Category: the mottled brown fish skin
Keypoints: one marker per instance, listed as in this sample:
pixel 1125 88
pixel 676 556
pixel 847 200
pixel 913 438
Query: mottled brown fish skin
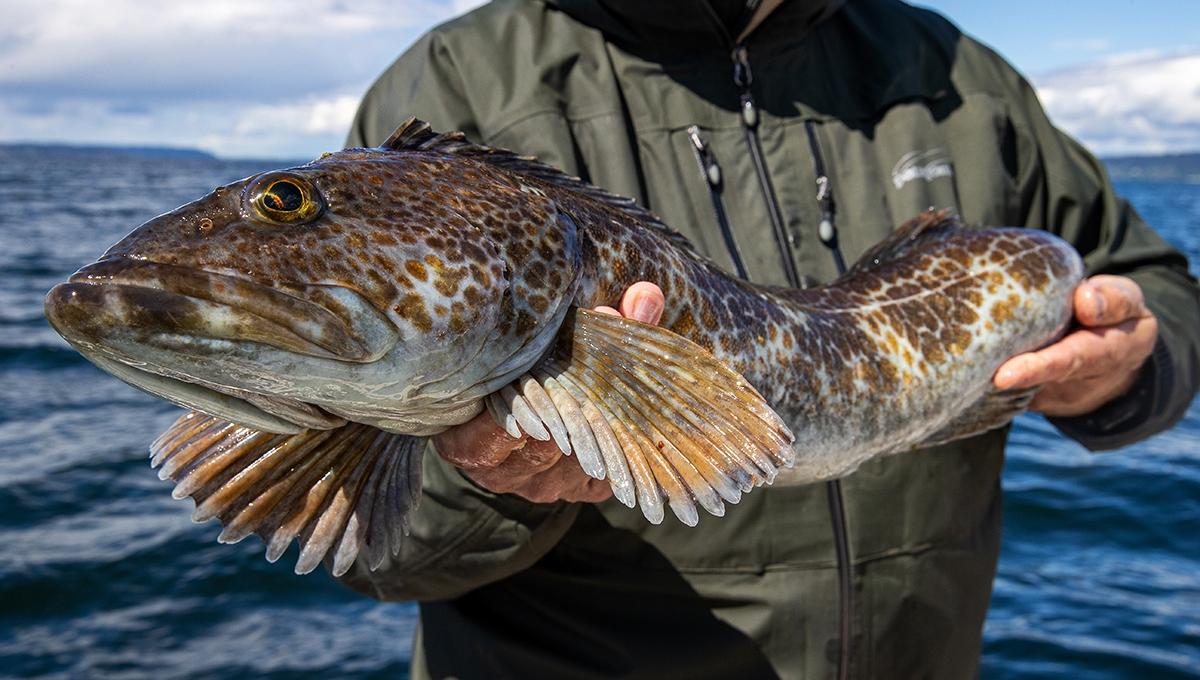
pixel 874 362
pixel 463 252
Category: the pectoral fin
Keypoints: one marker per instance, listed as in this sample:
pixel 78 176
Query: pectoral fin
pixel 995 409
pixel 657 415
pixel 344 492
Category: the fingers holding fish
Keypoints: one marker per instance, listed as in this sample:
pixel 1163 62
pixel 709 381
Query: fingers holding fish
pixel 1103 363
pixel 477 444
pixel 535 470
pixel 1094 364
pixel 560 481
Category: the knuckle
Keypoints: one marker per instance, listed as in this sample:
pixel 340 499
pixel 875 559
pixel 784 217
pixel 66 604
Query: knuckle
pixel 540 454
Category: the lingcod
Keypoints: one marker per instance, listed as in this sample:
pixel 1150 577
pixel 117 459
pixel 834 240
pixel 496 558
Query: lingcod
pixel 322 322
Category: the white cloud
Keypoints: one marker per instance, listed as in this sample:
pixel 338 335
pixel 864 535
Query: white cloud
pixel 191 49
pixel 1145 102
pixel 269 77
pixel 313 116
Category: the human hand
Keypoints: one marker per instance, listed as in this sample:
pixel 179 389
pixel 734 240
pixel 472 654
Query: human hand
pixel 532 469
pixel 1093 365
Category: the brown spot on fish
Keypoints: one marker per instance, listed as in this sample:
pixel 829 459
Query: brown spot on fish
pixel 416 270
pixel 1002 310
pixel 526 322
pixel 412 308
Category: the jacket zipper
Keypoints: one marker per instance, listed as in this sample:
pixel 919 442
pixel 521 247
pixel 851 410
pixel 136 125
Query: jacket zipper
pixel 742 78
pixel 827 232
pixel 710 171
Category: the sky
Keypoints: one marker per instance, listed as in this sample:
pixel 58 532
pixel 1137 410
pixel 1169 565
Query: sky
pixel 280 79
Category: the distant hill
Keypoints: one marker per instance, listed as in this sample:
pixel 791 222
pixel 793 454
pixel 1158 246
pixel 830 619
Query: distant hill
pixel 84 149
pixel 1181 167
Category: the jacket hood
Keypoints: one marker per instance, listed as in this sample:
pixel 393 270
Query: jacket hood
pixel 700 24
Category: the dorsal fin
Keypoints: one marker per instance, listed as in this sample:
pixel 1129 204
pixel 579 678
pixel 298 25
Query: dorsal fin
pixel 416 135
pixel 929 225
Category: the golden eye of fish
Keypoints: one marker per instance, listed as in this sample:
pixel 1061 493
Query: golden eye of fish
pixel 285 199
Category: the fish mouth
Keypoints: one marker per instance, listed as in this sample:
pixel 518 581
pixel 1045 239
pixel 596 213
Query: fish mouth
pixel 259 412
pixel 155 303
pixel 165 329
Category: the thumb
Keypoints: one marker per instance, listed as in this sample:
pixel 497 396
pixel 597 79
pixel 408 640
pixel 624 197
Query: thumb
pixel 643 301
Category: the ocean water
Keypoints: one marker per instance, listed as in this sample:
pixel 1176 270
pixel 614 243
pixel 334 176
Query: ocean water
pixel 102 574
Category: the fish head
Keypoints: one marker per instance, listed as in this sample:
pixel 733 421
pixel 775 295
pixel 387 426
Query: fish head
pixel 352 287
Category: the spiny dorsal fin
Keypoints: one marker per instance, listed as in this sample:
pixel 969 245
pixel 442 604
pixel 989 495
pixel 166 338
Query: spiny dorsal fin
pixel 416 135
pixel 929 225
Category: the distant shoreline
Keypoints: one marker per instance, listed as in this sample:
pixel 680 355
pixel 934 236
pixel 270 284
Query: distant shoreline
pixel 145 152
pixel 1179 167
pixel 90 149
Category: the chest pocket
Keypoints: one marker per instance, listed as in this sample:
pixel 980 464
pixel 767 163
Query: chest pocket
pixel 916 157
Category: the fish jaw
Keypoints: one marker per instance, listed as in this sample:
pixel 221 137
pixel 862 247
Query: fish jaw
pixel 172 331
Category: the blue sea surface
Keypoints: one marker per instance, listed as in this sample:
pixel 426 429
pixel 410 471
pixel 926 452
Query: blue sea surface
pixel 102 574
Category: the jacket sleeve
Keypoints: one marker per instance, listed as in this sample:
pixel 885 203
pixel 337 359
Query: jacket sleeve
pixel 461 536
pixel 1065 189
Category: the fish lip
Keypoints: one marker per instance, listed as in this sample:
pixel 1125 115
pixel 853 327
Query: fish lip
pixel 266 414
pixel 310 327
pixel 78 312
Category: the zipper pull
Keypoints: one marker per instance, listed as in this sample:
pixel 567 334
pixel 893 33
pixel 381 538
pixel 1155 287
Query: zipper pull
pixel 711 172
pixel 708 162
pixel 825 229
pixel 742 78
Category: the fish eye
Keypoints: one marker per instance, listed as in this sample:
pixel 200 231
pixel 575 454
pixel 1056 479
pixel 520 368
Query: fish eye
pixel 284 199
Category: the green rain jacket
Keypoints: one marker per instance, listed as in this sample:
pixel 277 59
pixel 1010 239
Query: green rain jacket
pixel 905 112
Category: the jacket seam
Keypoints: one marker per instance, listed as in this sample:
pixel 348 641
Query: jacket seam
pixel 521 118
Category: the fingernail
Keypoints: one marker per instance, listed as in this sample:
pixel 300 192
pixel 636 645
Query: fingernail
pixel 1101 306
pixel 1003 377
pixel 646 309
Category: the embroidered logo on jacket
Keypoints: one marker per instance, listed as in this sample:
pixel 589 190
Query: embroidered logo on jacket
pixel 927 165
